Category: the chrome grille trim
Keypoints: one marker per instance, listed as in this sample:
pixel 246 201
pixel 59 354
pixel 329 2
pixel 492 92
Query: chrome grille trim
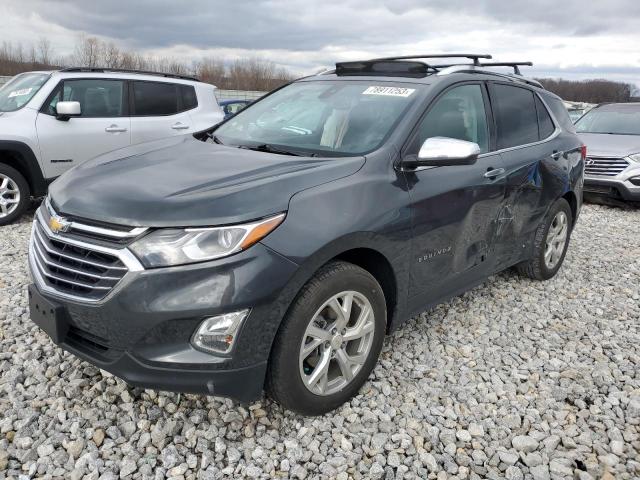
pixel 100 231
pixel 62 272
pixel 608 167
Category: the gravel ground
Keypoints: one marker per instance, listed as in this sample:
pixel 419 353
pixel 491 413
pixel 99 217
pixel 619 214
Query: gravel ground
pixel 516 379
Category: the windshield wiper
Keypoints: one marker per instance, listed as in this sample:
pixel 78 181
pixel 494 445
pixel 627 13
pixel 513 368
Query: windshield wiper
pixel 266 147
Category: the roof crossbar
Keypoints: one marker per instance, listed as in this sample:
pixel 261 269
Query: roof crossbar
pixel 472 56
pixel 514 65
pixel 124 70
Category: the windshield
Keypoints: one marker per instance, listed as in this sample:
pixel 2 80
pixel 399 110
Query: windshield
pixel 20 89
pixel 326 118
pixel 621 121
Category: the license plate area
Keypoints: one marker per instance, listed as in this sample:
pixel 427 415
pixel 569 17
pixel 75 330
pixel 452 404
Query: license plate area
pixel 48 315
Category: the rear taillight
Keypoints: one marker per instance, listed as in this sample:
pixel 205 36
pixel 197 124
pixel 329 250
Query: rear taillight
pixel 583 152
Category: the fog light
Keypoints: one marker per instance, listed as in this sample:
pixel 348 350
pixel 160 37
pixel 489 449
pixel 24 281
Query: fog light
pixel 217 334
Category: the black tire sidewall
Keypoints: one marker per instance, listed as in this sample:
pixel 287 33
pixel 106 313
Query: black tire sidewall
pixel 285 364
pixel 25 193
pixel 560 205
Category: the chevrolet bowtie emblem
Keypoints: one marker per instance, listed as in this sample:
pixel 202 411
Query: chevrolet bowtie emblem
pixel 58 224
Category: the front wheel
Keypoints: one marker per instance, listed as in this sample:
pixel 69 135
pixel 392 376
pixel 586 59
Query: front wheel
pixel 550 243
pixel 14 194
pixel 329 340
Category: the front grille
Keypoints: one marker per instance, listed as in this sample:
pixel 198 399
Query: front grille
pixel 609 167
pixel 74 270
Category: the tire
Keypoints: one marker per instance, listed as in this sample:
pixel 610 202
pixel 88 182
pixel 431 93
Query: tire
pixel 288 365
pixel 538 267
pixel 12 181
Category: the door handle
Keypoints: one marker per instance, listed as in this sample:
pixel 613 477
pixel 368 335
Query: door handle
pixel 494 172
pixel 179 126
pixel 115 129
pixel 557 155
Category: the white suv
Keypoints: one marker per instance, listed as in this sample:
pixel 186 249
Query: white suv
pixel 52 121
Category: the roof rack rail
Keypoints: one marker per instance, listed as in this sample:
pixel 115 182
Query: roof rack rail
pixel 124 70
pixel 472 56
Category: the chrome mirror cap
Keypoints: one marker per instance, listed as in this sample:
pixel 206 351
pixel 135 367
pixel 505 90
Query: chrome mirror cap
pixel 444 150
pixel 68 109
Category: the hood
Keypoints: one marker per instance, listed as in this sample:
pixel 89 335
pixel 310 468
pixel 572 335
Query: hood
pixel 182 181
pixel 603 145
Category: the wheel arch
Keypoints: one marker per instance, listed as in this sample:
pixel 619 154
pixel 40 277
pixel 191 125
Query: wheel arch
pixel 572 200
pixel 20 156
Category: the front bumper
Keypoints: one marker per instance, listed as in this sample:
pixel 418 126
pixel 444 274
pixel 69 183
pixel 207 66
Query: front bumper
pixel 624 186
pixel 141 332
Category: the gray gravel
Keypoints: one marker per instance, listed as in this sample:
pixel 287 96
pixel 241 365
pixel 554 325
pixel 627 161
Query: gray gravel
pixel 516 379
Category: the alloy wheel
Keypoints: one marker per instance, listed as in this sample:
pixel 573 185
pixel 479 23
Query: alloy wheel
pixel 556 240
pixel 337 343
pixel 9 195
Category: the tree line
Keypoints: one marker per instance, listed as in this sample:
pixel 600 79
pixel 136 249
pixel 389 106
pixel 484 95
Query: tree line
pixel 251 73
pixel 590 91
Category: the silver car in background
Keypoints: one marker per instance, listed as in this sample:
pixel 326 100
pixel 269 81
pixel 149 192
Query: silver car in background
pixel 611 133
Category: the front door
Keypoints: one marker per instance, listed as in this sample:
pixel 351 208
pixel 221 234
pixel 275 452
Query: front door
pixel 102 126
pixel 455 209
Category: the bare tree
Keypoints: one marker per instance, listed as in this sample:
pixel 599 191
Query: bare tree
pixel 87 52
pixel 44 51
pixel 211 70
pixel 252 73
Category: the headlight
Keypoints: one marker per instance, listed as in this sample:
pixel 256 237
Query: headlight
pixel 635 157
pixel 167 247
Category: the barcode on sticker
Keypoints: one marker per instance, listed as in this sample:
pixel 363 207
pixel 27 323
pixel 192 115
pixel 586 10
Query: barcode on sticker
pixel 389 91
pixel 20 93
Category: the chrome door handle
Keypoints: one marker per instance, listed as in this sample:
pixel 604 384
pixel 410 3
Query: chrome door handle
pixel 179 126
pixel 494 172
pixel 557 155
pixel 115 129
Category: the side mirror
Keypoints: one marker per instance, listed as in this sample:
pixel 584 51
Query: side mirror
pixel 443 151
pixel 66 110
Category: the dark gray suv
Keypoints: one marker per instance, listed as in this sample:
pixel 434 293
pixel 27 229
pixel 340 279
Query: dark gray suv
pixel 278 249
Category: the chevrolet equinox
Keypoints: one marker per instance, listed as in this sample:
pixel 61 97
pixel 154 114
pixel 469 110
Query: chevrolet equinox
pixel 276 250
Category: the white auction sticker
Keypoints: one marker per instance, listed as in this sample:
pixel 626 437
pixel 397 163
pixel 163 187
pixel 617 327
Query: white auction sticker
pixel 20 93
pixel 389 91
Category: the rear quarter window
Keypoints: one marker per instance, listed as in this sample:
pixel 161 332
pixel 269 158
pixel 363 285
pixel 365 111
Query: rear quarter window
pixel 545 124
pixel 560 112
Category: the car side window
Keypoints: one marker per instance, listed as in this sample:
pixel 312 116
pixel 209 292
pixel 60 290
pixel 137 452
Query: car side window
pixel 516 116
pixel 98 98
pixel 152 99
pixel 545 124
pixel 189 97
pixel 560 112
pixel 460 114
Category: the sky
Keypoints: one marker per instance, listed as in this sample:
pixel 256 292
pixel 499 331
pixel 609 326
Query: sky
pixel 572 39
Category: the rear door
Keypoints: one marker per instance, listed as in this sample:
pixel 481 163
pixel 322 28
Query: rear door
pixel 525 139
pixel 160 110
pixel 454 208
pixel 103 126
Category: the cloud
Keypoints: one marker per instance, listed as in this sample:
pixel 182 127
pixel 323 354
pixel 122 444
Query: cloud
pixel 308 34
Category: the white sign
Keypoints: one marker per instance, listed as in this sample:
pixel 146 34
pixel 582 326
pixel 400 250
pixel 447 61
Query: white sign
pixel 389 91
pixel 20 93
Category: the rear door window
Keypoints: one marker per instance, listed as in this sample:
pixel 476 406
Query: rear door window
pixel 152 99
pixel 516 115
